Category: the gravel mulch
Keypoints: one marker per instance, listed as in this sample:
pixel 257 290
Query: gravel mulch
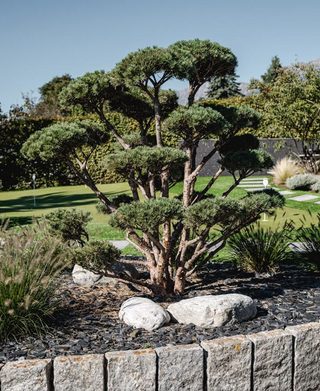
pixel 88 319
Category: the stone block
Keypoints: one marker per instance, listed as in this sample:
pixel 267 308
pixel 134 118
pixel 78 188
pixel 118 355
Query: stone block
pixel 133 370
pixel 27 375
pixel 228 363
pixel 79 373
pixel 272 365
pixel 180 368
pixel 307 356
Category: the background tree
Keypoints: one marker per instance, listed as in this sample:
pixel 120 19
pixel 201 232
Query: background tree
pixel 222 87
pixel 268 78
pixel 291 106
pixel 272 72
pixel 48 104
pixel 175 235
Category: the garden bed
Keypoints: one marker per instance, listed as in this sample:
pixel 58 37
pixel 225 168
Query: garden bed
pixel 88 322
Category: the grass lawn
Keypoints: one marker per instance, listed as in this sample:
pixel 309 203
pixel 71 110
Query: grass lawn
pixel 18 206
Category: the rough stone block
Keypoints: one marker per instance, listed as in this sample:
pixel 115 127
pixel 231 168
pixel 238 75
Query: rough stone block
pixel 272 365
pixel 28 375
pixel 180 368
pixel 307 356
pixel 133 370
pixel 79 373
pixel 228 363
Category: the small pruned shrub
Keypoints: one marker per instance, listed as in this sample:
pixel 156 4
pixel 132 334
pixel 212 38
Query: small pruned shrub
pixel 70 225
pixel 284 169
pixel 29 265
pixel 97 256
pixel 316 187
pixel 116 201
pixel 302 181
pixel 309 243
pixel 261 250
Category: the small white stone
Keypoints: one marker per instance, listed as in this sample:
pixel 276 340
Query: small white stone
pixel 298 247
pixel 84 277
pixel 141 312
pixel 213 311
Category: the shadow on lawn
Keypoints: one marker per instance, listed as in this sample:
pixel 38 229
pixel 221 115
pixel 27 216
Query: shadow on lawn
pixel 52 200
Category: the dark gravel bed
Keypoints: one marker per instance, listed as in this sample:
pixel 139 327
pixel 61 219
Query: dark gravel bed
pixel 88 323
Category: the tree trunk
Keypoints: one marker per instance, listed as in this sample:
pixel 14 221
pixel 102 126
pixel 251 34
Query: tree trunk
pixel 165 183
pixel 187 185
pixel 133 187
pixel 180 281
pixel 157 118
pixel 87 180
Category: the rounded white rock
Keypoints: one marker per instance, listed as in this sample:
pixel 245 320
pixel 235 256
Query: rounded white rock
pixel 84 277
pixel 141 312
pixel 214 310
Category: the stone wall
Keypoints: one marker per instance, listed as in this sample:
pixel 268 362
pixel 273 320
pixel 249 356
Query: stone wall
pixel 279 360
pixel 278 148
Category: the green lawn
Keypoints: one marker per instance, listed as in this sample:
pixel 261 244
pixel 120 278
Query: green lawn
pixel 18 206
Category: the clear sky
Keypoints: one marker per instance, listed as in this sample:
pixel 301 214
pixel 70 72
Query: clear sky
pixel 41 39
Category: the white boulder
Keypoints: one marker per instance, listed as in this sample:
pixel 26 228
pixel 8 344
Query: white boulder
pixel 213 311
pixel 143 313
pixel 84 277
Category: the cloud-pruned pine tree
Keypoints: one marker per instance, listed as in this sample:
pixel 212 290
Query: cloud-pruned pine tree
pixel 178 234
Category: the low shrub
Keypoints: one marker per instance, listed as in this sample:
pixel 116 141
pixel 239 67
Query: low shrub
pixel 284 169
pixel 261 250
pixel 316 187
pixel 97 256
pixel 309 246
pixel 70 225
pixel 101 208
pixel 115 200
pixel 302 181
pixel 29 265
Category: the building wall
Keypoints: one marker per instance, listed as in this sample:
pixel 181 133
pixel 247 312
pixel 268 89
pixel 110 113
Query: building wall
pixel 278 148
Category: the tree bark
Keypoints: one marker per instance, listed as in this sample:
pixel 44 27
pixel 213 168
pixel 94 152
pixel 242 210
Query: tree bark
pixel 87 180
pixel 133 187
pixel 187 184
pixel 157 118
pixel 180 281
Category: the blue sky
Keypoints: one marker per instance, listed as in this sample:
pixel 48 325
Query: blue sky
pixel 41 39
